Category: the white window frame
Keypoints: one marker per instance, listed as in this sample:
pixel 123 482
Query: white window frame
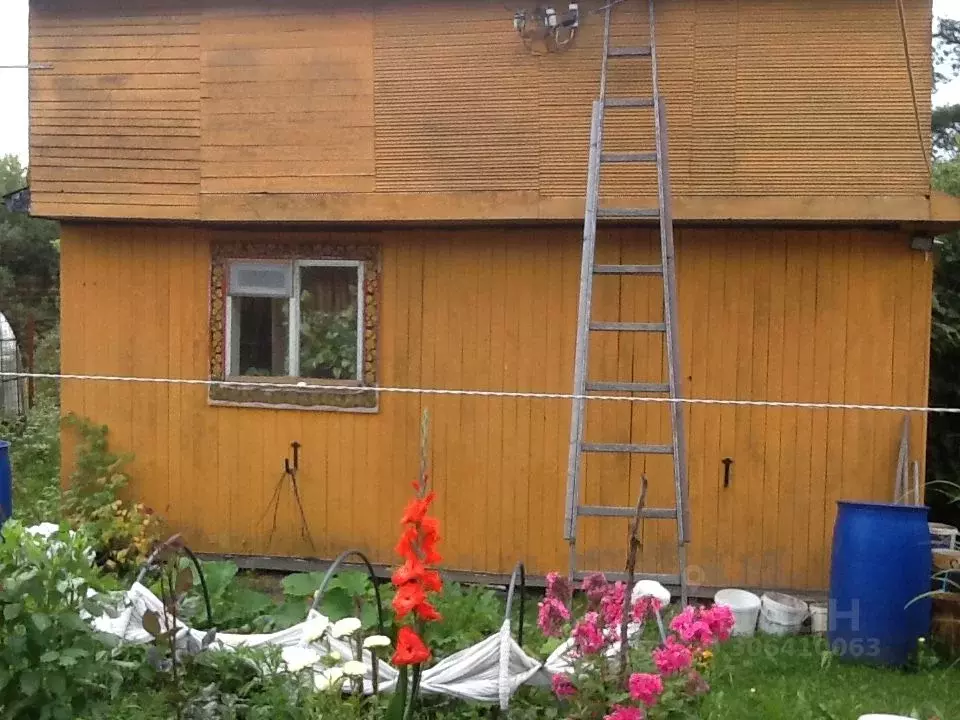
pixel 232 340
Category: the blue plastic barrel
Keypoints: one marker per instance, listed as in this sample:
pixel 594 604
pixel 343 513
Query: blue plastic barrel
pixel 881 561
pixel 6 482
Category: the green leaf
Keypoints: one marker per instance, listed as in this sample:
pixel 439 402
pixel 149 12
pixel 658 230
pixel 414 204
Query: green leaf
pixel 353 582
pixel 219 575
pixel 40 621
pixel 302 584
pixel 30 682
pixel 368 615
pixel 49 656
pixel 56 683
pixel 337 604
pixel 11 611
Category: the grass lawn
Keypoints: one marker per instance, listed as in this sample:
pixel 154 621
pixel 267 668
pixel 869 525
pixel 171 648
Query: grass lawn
pixel 794 678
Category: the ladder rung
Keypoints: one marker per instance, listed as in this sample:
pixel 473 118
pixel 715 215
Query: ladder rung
pixel 627 387
pixel 643 51
pixel 634 102
pixel 627 512
pixel 628 269
pixel 628 157
pixel 628 448
pixel 628 327
pixel 628 212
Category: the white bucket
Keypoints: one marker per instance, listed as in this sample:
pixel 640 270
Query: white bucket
pixel 781 614
pixel 745 607
pixel 818 618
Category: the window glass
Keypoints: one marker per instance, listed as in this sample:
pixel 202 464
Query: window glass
pixel 328 322
pixel 262 328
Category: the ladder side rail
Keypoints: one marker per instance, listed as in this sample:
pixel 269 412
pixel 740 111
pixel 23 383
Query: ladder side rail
pixel 668 258
pixel 581 359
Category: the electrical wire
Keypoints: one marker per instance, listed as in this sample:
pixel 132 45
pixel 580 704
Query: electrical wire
pixel 913 86
pixel 509 394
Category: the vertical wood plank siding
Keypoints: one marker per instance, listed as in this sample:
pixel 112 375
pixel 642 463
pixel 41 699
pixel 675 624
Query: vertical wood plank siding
pixel 766 314
pixel 384 110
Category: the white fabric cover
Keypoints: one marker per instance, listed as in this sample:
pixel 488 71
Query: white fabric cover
pixel 490 671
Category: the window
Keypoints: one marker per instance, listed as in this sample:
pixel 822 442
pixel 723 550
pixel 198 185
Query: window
pixel 298 319
pixel 300 324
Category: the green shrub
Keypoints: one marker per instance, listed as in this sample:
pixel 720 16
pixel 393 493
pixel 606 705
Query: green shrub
pixel 35 461
pixel 52 664
pixel 123 533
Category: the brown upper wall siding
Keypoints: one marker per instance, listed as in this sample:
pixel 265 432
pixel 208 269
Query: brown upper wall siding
pixel 313 111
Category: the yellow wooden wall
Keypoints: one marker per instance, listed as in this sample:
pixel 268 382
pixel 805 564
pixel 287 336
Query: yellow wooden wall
pixel 827 315
pixel 382 110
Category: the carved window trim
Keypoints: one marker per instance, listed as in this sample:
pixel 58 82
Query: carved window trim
pixel 276 394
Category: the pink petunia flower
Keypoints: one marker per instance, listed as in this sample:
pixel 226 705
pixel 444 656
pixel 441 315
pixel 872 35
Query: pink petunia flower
pixel 563 687
pixel 646 687
pixel 619 712
pixel 587 636
pixel 644 607
pixel 691 628
pixel 558 587
pixel 672 658
pixel 611 604
pixel 720 619
pixel 697 633
pixel 551 617
pixel 594 586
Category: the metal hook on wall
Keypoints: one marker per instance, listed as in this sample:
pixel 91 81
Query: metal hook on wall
pixel 287 468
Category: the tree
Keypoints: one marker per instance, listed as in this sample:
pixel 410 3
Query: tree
pixel 943 445
pixel 29 259
pixel 946 66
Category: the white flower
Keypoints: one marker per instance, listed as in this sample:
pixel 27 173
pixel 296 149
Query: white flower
pixel 354 668
pixel 298 658
pixel 315 627
pixel 335 656
pixel 328 678
pixel 347 626
pixel 376 641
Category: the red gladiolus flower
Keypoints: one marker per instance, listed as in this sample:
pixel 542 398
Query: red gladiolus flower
pixel 410 648
pixel 410 571
pixel 405 545
pixel 408 597
pixel 417 547
pixel 417 510
pixel 427 612
pixel 431 581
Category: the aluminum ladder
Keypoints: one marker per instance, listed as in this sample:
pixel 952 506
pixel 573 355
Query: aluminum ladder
pixel 666 327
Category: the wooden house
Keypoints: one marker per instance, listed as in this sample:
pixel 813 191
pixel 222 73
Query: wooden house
pixel 389 194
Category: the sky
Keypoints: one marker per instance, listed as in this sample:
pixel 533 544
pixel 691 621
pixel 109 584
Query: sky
pixel 13 83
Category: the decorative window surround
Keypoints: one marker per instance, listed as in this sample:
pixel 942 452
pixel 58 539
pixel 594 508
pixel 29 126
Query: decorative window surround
pixel 358 394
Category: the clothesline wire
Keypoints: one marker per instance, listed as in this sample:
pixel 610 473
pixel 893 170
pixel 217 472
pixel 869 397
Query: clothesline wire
pixel 506 394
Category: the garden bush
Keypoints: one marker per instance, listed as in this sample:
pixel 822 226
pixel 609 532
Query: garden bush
pixel 35 459
pixel 52 664
pixel 122 533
